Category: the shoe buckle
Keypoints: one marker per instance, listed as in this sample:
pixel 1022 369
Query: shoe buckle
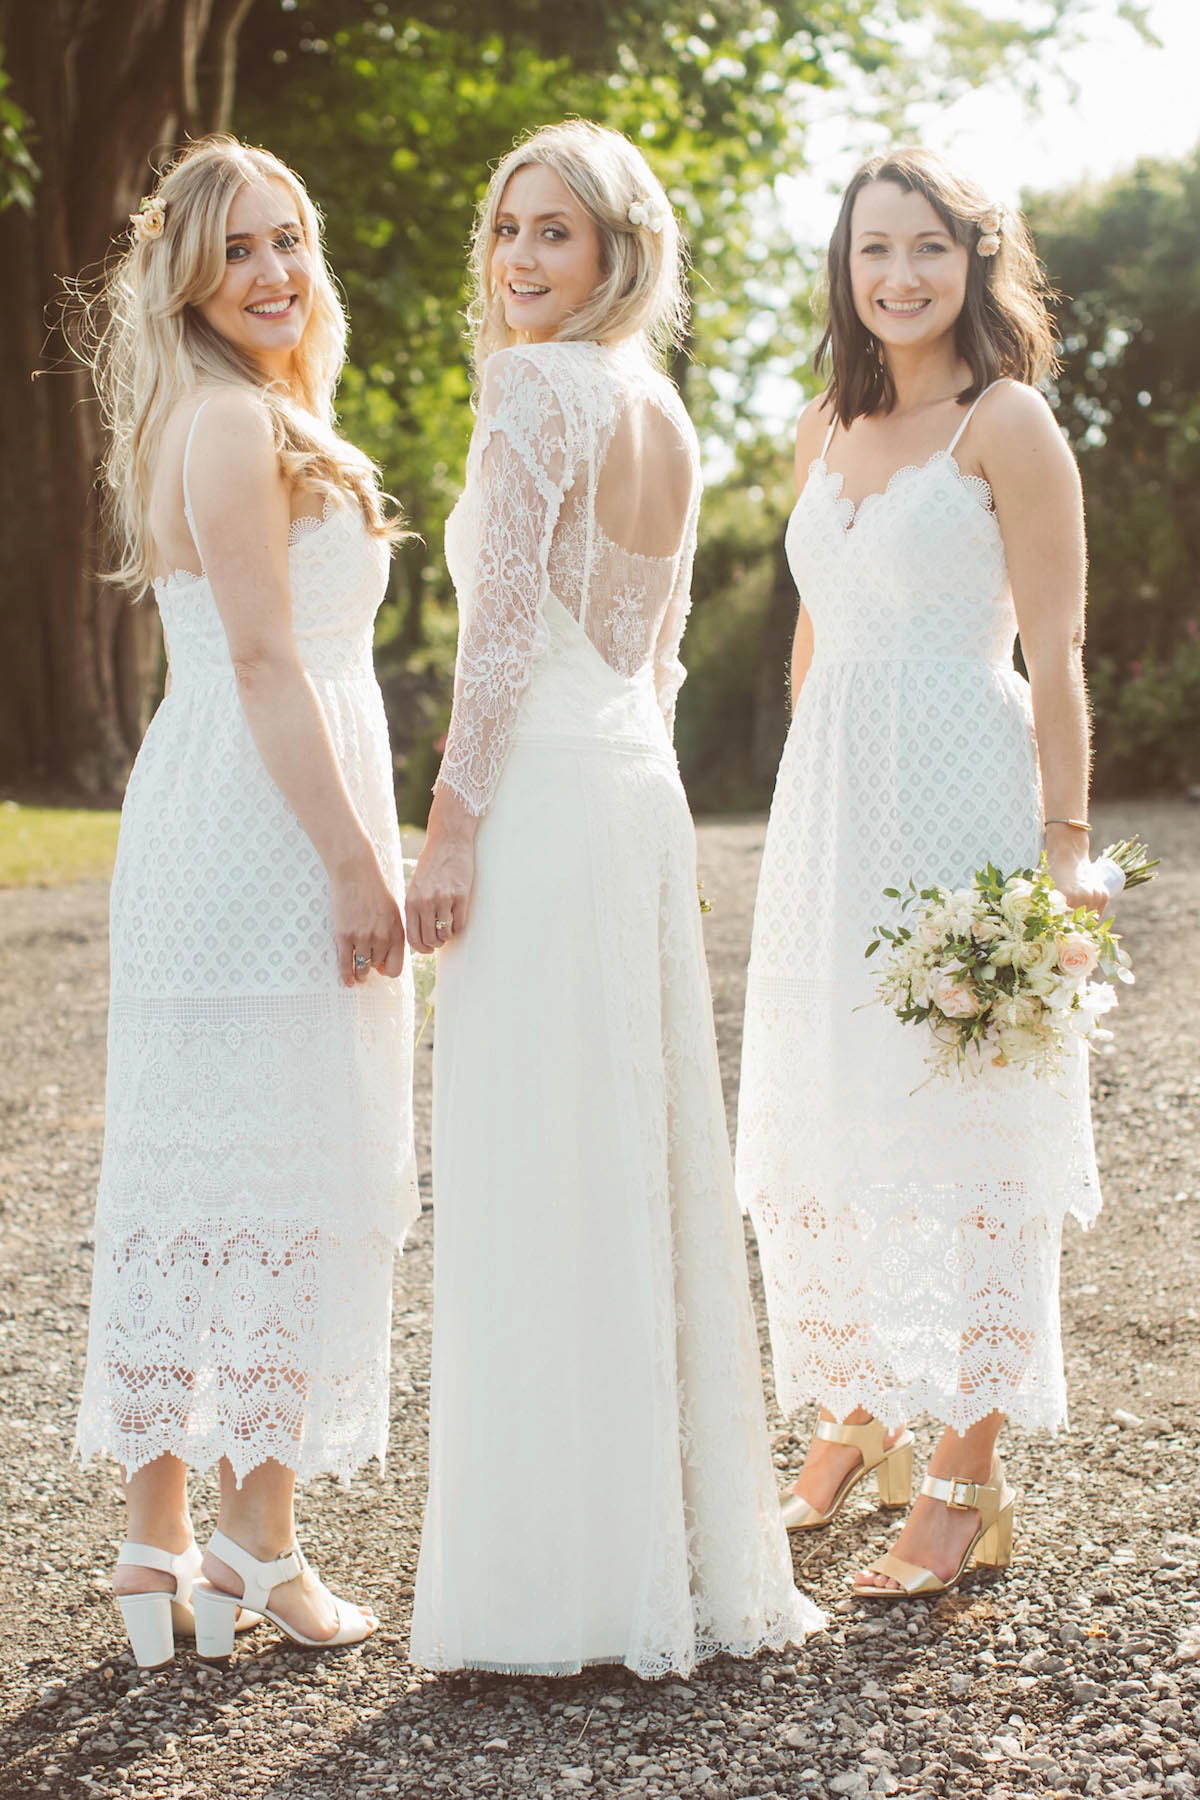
pixel 965 1488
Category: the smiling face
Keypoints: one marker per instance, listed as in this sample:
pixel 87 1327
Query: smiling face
pixel 265 298
pixel 908 275
pixel 545 261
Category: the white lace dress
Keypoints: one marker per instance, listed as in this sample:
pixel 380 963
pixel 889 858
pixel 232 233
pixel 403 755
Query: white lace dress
pixel 258 1168
pixel 910 1241
pixel 601 1487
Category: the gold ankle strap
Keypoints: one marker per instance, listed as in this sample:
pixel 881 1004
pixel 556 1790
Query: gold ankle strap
pixel 866 1439
pixel 960 1495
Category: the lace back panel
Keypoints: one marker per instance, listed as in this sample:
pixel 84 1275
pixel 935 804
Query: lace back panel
pixel 582 486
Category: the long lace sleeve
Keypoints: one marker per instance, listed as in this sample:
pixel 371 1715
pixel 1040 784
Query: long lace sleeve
pixel 519 466
pixel 669 672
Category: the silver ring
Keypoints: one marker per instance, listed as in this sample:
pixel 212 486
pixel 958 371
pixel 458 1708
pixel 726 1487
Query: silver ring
pixel 361 962
pixel 442 924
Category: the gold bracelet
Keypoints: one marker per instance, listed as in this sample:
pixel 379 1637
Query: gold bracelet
pixel 1075 824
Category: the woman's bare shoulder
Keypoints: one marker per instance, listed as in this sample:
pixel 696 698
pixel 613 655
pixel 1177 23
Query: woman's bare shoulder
pixel 811 432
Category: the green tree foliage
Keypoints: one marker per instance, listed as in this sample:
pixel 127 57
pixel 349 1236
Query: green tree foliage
pixel 1125 258
pixel 393 114
pixel 18 171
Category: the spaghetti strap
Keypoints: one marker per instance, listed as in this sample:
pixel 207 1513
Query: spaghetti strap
pixel 187 498
pixel 950 448
pixel 829 437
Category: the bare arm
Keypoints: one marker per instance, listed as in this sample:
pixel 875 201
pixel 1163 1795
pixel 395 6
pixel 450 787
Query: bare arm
pixel 240 502
pixel 810 435
pixel 1039 507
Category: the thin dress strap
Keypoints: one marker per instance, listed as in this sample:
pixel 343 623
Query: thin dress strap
pixel 829 437
pixel 950 448
pixel 187 498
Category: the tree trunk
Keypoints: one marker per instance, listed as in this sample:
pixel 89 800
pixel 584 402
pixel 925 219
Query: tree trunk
pixel 108 88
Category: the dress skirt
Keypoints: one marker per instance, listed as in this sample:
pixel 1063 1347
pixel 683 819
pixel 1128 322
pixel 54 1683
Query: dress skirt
pixel 909 1227
pixel 600 1483
pixel 258 1170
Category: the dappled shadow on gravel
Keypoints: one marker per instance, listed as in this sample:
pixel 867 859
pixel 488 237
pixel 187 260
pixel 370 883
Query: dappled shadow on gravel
pixel 1073 1674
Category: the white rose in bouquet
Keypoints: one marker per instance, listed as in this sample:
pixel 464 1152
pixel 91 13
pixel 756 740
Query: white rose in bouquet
pixel 1017 901
pixel 953 995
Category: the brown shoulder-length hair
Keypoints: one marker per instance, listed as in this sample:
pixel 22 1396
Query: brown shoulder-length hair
pixel 1004 327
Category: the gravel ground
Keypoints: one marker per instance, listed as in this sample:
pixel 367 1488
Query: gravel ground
pixel 1078 1673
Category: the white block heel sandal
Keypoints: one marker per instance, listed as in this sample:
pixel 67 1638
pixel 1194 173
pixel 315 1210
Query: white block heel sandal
pixel 216 1610
pixel 154 1620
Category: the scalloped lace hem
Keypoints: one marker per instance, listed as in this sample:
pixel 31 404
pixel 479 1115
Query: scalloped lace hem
pixel 306 1466
pixel 898 1406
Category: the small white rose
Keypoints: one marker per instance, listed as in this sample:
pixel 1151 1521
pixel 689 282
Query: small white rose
pixel 150 220
pixel 1017 902
pixel 645 212
pixel 1036 956
pixel 988 246
pixel 986 931
pixel 954 997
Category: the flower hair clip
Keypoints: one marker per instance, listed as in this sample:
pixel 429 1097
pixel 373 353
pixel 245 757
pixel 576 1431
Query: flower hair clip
pixel 648 213
pixel 989 232
pixel 150 219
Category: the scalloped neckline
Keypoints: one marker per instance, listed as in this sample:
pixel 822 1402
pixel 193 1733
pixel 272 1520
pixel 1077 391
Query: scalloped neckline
pixel 306 526
pixel 849 524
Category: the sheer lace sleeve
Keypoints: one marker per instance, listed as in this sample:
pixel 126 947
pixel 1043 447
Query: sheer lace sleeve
pixel 669 672
pixel 518 465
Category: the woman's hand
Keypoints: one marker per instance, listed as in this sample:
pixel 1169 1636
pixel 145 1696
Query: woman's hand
pixel 439 894
pixel 1068 857
pixel 367 922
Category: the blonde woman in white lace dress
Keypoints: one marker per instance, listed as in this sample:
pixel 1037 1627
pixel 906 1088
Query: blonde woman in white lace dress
pixel 600 1481
pixel 258 1169
pixel 910 1240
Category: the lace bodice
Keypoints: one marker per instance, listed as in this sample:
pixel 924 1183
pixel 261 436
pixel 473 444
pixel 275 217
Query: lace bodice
pixel 337 578
pixel 583 486
pixel 916 572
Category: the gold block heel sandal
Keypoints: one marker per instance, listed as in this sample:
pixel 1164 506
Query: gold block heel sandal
pixel 892 1468
pixel 990 1548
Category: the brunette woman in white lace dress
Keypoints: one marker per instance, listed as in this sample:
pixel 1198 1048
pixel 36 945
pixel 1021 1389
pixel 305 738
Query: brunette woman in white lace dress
pixel 910 1240
pixel 258 1168
pixel 600 1480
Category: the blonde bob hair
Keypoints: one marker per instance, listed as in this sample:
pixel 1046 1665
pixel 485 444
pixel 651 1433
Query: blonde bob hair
pixel 148 346
pixel 641 291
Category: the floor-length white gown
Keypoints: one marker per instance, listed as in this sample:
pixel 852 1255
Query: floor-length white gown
pixel 909 1229
pixel 258 1169
pixel 600 1482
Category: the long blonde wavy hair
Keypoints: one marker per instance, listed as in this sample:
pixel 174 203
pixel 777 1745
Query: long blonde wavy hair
pixel 642 292
pixel 147 344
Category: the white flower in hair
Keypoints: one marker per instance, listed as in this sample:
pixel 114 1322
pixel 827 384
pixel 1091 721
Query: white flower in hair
pixel 990 226
pixel 149 221
pixel 648 213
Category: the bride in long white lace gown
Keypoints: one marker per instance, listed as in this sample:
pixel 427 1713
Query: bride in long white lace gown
pixel 258 1160
pixel 600 1482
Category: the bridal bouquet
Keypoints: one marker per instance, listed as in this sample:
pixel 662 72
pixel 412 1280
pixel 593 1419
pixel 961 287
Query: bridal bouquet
pixel 1002 973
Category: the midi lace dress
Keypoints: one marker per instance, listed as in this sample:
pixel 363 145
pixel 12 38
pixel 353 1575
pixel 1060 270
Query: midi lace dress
pixel 258 1170
pixel 601 1486
pixel 910 1240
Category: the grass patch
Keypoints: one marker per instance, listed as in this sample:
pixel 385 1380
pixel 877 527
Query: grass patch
pixel 45 846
